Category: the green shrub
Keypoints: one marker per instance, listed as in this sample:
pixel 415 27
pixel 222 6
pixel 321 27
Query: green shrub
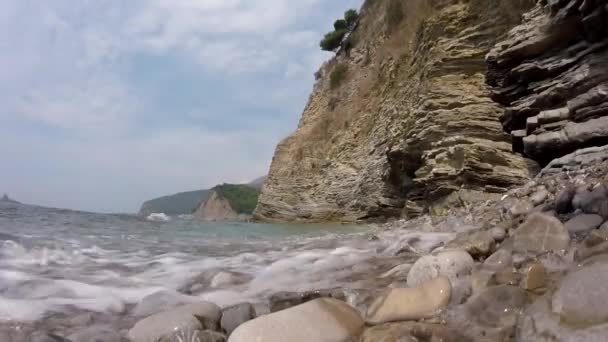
pixel 394 14
pixel 351 16
pixel 333 40
pixel 242 198
pixel 340 24
pixel 338 75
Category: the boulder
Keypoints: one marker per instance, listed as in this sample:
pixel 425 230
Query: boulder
pixel 541 233
pixel 583 223
pixel 490 315
pixel 563 202
pixel 411 332
pixel 283 300
pixel 535 277
pixel 96 334
pixel 500 260
pixel 477 244
pixel 319 320
pixel 452 264
pixel 188 320
pixel 405 304
pixel 582 296
pixel 160 301
pixel 236 315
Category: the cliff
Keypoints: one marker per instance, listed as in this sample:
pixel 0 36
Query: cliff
pixel 551 73
pixel 228 202
pixel 401 119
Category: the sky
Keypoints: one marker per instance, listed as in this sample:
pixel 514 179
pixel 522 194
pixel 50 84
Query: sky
pixel 108 103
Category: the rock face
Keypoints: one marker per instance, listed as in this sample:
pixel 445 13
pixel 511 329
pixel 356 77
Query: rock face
pixel 216 208
pixel 412 121
pixel 552 75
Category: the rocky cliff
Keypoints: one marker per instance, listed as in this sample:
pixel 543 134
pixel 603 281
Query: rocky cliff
pixel 216 208
pixel 552 75
pixel 409 121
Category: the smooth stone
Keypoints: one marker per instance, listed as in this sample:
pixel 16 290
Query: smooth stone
pixel 583 223
pixel 481 280
pixel 582 297
pixel 498 234
pixel 490 315
pixel 535 277
pixel 521 208
pixel 539 323
pixel 222 279
pixel 500 260
pixel 541 233
pixel 236 315
pixel 185 319
pixel 45 337
pixel 411 332
pixel 539 196
pixel 96 334
pixel 404 304
pixel 478 244
pixel 319 320
pixel 506 277
pixel 592 202
pixel 283 300
pixel 206 336
pixel 161 301
pixel 563 202
pixel 452 264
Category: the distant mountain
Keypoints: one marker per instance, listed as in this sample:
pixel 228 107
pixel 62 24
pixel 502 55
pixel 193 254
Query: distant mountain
pixel 183 203
pixel 5 198
pixel 229 202
pixel 186 203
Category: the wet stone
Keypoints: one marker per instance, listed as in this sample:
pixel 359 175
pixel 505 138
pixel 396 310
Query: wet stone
pixel 541 233
pixel 411 332
pixel 96 334
pixel 236 315
pixel 583 223
pixel 283 300
pixel 535 277
pixel 563 202
pixel 500 260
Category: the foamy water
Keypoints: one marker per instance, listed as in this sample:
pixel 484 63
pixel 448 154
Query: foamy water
pixel 58 261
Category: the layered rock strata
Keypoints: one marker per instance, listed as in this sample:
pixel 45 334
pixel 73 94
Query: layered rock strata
pixel 552 75
pixel 412 120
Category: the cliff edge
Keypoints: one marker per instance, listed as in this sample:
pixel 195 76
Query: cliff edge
pixel 401 118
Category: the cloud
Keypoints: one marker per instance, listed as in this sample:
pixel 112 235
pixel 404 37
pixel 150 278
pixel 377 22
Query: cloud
pixel 107 103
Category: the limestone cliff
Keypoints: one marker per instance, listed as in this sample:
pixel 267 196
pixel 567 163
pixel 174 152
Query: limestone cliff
pixel 412 120
pixel 216 208
pixel 552 74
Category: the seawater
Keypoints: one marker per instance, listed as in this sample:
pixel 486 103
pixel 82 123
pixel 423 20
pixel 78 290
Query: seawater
pixel 60 261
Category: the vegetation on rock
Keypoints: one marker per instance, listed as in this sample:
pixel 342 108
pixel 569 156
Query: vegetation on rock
pixel 242 198
pixel 334 39
pixel 338 75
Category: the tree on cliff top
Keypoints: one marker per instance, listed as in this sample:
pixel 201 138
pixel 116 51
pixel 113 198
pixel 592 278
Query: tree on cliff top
pixel 334 39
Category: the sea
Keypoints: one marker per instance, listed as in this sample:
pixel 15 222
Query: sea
pixel 62 262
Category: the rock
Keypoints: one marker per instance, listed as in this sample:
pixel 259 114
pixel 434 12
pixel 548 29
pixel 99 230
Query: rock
pixel 490 315
pixel 481 280
pixel 236 315
pixel 45 337
pixel 319 320
pixel 563 202
pixel 96 334
pixel 477 244
pixel 186 319
pixel 583 223
pixel 539 196
pixel 411 332
pixel 539 323
pixel 506 277
pixel 582 296
pixel 223 279
pixel 498 234
pixel 594 202
pixel 405 304
pixel 535 277
pixel 160 301
pixel 283 300
pixel 521 208
pixel 500 260
pixel 452 264
pixel 596 237
pixel 541 233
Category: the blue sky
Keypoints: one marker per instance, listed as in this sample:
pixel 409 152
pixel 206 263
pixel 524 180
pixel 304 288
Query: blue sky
pixel 107 103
